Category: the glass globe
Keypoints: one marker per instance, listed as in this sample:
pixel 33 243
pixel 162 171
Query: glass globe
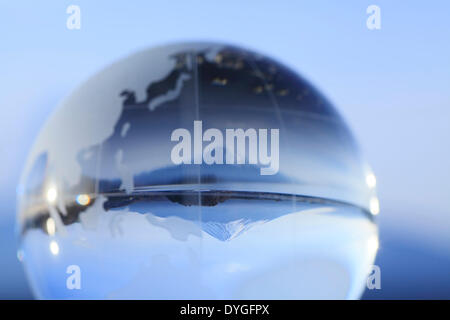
pixel 196 171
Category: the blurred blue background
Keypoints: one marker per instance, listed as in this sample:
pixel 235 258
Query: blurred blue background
pixel 392 85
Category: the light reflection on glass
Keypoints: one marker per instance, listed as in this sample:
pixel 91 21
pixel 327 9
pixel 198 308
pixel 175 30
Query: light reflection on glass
pixel 374 206
pixel 51 226
pixel 54 247
pixel 371 180
pixel 52 194
pixel 83 199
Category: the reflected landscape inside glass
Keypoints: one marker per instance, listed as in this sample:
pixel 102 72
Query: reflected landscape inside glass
pixel 245 247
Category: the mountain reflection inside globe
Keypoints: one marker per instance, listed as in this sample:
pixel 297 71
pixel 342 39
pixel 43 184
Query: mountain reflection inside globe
pixel 267 197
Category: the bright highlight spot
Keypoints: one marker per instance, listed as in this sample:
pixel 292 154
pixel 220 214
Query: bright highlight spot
pixel 51 227
pixel 83 199
pixel 374 206
pixel 54 248
pixel 373 245
pixel 371 180
pixel 52 194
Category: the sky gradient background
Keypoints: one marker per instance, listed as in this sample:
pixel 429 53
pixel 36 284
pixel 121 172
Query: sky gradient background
pixel 392 86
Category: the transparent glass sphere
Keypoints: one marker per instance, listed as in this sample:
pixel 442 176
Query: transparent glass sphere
pixel 196 170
